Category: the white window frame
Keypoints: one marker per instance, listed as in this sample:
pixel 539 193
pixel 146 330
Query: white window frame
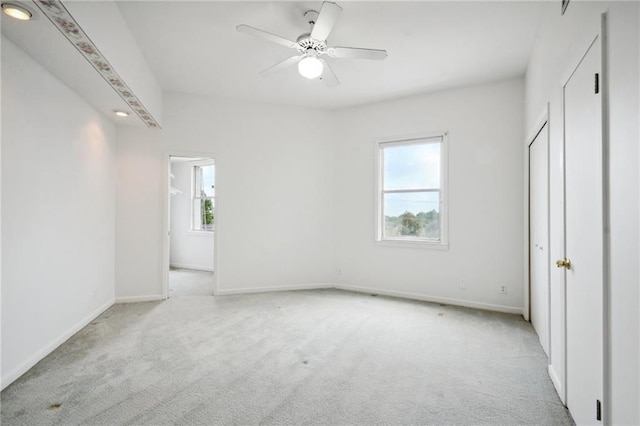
pixel 195 197
pixel 443 242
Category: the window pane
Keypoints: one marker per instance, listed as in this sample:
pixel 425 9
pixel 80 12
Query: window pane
pixel 414 166
pixel 207 181
pixel 203 219
pixel 412 215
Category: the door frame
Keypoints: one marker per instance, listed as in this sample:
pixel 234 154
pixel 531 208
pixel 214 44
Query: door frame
pixel 538 128
pixel 166 224
pixel 599 37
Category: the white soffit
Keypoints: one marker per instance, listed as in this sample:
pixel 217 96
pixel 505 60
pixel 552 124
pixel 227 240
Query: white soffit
pixel 57 42
pixel 46 45
pixel 105 27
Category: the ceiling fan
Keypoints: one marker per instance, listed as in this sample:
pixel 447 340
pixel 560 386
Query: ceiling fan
pixel 312 46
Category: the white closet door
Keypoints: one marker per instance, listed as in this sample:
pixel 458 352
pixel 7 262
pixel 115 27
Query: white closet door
pixel 539 235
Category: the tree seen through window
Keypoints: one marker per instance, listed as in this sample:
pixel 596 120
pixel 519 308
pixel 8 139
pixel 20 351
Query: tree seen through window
pixel 204 197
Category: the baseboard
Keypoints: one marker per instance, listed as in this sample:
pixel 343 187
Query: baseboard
pixel 434 299
pixel 414 296
pixel 134 299
pixel 316 286
pixel 556 382
pixel 194 267
pixel 14 374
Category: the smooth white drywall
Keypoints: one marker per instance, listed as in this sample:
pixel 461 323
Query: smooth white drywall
pixel 189 249
pixel 485 125
pixel 58 212
pixel 274 193
pixel 561 41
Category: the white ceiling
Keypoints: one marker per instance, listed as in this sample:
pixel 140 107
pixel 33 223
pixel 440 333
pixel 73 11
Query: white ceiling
pixel 194 47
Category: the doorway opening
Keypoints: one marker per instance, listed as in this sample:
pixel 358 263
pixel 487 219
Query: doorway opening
pixel 191 227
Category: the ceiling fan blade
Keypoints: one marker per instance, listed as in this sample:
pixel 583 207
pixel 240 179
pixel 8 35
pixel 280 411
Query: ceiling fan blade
pixel 356 53
pixel 266 36
pixel 280 66
pixel 328 16
pixel 328 76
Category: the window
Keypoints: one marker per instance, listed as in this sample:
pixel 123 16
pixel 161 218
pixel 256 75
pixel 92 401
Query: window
pixel 203 197
pixel 411 197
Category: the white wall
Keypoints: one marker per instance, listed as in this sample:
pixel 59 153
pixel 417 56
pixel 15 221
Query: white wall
pixel 485 125
pixel 276 197
pixel 561 42
pixel 189 249
pixel 274 188
pixel 58 212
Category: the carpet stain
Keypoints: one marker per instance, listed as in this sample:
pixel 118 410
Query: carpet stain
pixel 440 314
pixel 55 407
pixel 305 362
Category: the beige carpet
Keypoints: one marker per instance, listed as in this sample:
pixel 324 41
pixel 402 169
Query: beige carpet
pixel 190 282
pixel 308 357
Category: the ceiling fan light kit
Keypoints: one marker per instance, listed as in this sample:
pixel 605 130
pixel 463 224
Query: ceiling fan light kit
pixel 312 46
pixel 310 67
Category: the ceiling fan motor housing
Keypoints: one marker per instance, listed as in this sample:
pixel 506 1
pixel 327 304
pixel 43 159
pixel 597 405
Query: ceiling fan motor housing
pixel 309 45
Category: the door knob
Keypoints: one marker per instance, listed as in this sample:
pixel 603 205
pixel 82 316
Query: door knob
pixel 563 263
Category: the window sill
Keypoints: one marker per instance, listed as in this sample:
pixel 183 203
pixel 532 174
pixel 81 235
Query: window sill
pixel 201 233
pixel 428 245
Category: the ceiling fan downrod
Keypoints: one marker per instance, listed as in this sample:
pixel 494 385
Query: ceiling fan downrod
pixel 311 16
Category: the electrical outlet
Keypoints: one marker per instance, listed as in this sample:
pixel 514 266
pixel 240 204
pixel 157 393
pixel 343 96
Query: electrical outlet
pixel 463 285
pixel 339 271
pixel 503 289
